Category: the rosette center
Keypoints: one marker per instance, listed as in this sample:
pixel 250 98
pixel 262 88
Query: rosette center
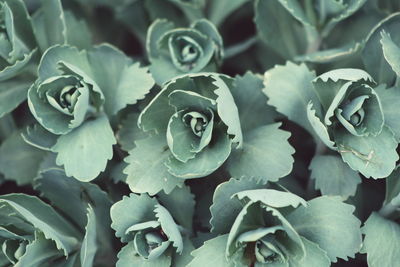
pixel 196 121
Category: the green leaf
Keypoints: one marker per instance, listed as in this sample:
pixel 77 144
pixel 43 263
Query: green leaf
pixel 332 55
pixel 19 161
pixel 320 129
pixel 330 224
pixel 225 208
pixel 391 51
pixel 140 209
pixel 129 132
pixel 121 81
pixel 43 217
pixel 373 52
pixel 169 227
pixel 220 10
pixel 89 242
pixel 272 198
pixel 314 256
pixel 212 253
pixel 90 145
pixel 146 170
pixel 128 257
pixel 381 242
pixel 389 100
pixel 184 259
pixel 291 96
pixel 250 101
pixel 37 136
pixel 266 154
pixel 180 203
pixel 392 196
pixel 38 253
pixel 12 94
pixel 333 177
pixel 373 156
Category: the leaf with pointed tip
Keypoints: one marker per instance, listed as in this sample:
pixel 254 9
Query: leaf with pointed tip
pixel 373 156
pixel 330 224
pixel 89 242
pixel 266 154
pixel 121 80
pixel 19 161
pixel 211 253
pixel 381 242
pixel 84 152
pixel 169 227
pixel 333 177
pixel 146 172
pixel 291 96
pixel 225 208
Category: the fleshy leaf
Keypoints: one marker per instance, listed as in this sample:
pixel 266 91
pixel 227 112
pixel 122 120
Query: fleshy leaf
pixel 12 93
pixel 169 227
pixel 381 242
pixel 91 144
pixel 330 224
pixel 89 243
pixel 389 99
pixel 212 253
pixel 272 198
pixel 266 154
pixel 291 96
pixel 39 137
pixel 128 257
pixel 333 177
pixel 314 256
pixel 391 51
pixel 146 170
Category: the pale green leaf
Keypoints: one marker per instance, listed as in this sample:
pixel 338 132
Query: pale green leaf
pixel 169 227
pixel 128 257
pixel 220 10
pixel 333 177
pixel 146 172
pixel 89 145
pixel 381 242
pixel 212 253
pixel 391 51
pixel 266 154
pixel 89 242
pixel 272 198
pixel 291 96
pixel 129 132
pixel 12 93
pixel 314 256
pixel 330 224
pixel 37 136
pixel 389 99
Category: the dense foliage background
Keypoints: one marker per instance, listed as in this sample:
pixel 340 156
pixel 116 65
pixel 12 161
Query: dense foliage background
pixel 199 132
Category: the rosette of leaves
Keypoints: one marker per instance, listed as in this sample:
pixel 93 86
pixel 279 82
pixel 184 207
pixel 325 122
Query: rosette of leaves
pixel 199 121
pixel 35 234
pixel 300 28
pixel 154 233
pixel 175 51
pixel 73 98
pixel 267 227
pixel 344 112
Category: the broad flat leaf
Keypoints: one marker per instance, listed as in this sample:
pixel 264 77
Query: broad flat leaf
pixel 89 145
pixel 381 242
pixel 19 161
pixel 121 81
pixel 12 93
pixel 212 253
pixel 391 51
pixel 272 198
pixel 288 39
pixel 330 224
pixel 140 209
pixel 225 208
pixel 250 101
pixel 373 156
pixel 169 227
pixel 44 218
pixel 38 253
pixel 389 99
pixel 333 177
pixel 266 154
pixel 128 257
pixel 37 136
pixel 89 242
pixel 180 203
pixel 291 96
pixel 314 256
pixel 373 55
pixel 146 172
pixel 393 188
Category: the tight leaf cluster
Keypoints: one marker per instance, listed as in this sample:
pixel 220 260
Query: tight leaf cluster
pixel 192 133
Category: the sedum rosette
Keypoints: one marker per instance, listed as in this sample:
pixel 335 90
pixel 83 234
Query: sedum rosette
pixel 175 51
